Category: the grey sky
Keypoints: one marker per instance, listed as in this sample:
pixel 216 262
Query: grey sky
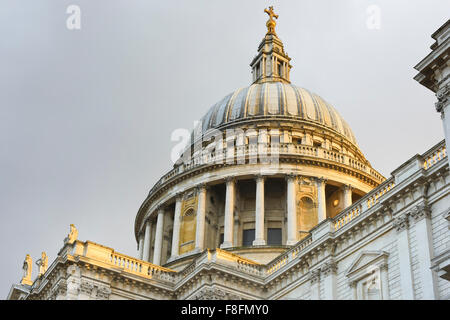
pixel 86 115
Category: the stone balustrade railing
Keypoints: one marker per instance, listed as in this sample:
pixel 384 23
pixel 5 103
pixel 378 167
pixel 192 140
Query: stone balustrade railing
pixel 288 256
pixel 347 216
pixel 379 192
pixel 107 257
pixel 434 156
pixel 141 267
pixel 240 263
pixel 249 153
pixel 429 158
pixel 363 204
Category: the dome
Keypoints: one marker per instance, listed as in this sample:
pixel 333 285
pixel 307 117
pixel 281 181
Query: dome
pixel 275 100
pixel 265 165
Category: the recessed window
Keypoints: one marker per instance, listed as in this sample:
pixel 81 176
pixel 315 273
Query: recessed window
pixel 221 238
pixel 248 237
pixel 274 236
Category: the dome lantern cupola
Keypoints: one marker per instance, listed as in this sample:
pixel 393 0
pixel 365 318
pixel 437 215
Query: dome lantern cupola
pixel 271 64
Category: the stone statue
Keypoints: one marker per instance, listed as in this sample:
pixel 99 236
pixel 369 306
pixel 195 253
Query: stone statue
pixel 271 22
pixel 42 263
pixel 73 235
pixel 27 267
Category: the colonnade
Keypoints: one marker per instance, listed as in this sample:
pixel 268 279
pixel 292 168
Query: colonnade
pixel 230 199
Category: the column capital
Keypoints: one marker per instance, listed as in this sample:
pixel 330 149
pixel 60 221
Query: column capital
pixel 420 212
pixel 231 179
pixel 347 187
pixel 291 177
pixel 179 196
pixel 401 223
pixel 330 267
pixel 260 177
pixel 201 187
pixel 314 276
pixel 321 180
pixel 443 96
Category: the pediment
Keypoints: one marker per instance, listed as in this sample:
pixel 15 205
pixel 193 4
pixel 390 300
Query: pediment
pixel 366 259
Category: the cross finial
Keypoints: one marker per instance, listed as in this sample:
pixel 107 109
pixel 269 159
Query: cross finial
pixel 271 22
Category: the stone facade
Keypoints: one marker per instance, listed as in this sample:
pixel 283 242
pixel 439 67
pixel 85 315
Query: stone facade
pixel 387 250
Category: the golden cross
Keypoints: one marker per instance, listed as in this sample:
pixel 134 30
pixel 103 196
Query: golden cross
pixel 271 13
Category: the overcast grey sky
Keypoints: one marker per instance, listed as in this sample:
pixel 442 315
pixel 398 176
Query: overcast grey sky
pixel 86 115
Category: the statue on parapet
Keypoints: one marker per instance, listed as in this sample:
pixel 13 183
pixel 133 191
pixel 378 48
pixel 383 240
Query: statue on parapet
pixel 72 236
pixel 27 268
pixel 42 263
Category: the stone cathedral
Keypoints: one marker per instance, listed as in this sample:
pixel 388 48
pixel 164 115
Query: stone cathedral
pixel 273 199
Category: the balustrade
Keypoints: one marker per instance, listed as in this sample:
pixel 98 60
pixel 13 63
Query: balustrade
pixel 434 157
pixel 141 267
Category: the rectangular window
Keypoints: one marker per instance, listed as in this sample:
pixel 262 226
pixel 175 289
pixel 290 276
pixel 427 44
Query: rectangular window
pixel 248 237
pixel 274 236
pixel 280 69
pixel 221 239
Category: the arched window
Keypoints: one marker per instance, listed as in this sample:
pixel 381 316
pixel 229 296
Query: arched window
pixel 187 231
pixel 307 214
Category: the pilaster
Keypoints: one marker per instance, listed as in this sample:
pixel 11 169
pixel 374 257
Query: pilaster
pixel 401 225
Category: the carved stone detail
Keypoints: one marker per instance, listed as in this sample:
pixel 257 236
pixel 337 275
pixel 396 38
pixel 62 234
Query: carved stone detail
pixel 86 287
pixel 314 276
pixel 215 294
pixel 59 289
pixel 103 293
pixel 443 96
pixel 384 266
pixel 330 267
pixel 401 223
pixel 290 177
pixel 420 211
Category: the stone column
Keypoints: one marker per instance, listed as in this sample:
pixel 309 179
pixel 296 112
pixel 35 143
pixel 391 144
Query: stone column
pixel 353 286
pixel 314 280
pixel 291 210
pixel 421 215
pixel 141 245
pixel 229 214
pixel 147 239
pixel 201 215
pixel 328 273
pixel 158 237
pixel 347 195
pixel 322 204
pixel 404 258
pixel 259 212
pixel 176 227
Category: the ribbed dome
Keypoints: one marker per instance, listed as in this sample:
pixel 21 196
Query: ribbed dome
pixel 275 99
